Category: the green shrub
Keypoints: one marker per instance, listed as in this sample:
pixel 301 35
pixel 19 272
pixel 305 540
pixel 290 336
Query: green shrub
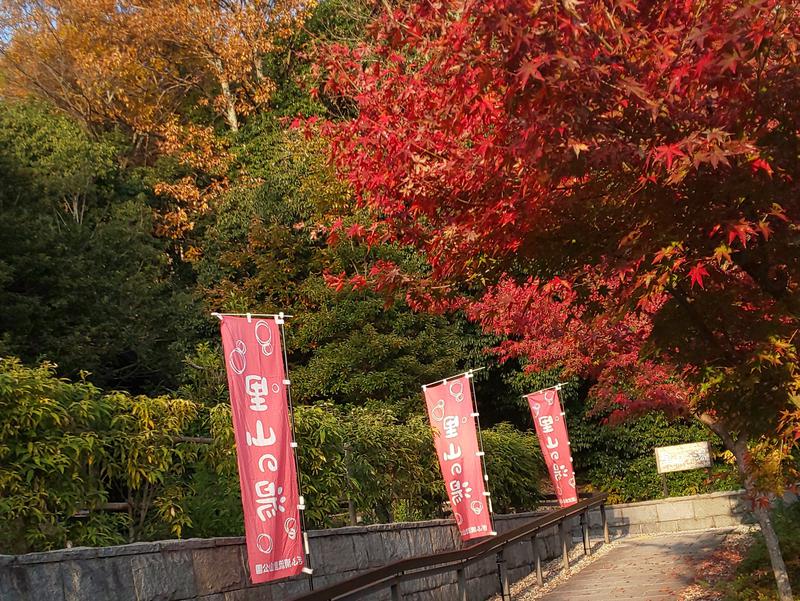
pixel 386 467
pixel 620 459
pixel 67 448
pixel 754 580
pixel 51 457
pixel 515 468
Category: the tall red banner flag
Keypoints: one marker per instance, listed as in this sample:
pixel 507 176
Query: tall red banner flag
pixel 267 471
pixel 552 431
pixel 452 416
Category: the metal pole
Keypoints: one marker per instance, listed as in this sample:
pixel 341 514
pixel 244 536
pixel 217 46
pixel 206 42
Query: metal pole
pixel 480 441
pixel 278 315
pixel 583 538
pixel 587 544
pixel 604 518
pixel 462 585
pixel 502 572
pixel 564 546
pixel 556 386
pixel 455 377
pixel 279 320
pixel 537 556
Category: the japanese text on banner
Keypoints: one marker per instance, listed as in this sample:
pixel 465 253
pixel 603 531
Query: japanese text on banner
pixel 456 439
pixel 551 429
pixel 267 471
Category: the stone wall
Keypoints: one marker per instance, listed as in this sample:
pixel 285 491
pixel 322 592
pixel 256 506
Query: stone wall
pixel 216 570
pixel 676 514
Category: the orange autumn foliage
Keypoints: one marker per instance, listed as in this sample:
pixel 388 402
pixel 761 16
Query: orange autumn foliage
pixel 164 71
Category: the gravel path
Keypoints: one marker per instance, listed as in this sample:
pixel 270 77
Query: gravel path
pixel 642 568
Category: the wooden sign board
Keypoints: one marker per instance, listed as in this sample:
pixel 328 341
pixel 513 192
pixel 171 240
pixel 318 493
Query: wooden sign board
pixel 677 458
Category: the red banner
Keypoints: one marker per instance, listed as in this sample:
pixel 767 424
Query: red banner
pixel 267 471
pixel 551 428
pixel 452 416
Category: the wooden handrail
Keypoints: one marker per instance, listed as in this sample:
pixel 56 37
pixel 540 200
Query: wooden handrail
pixel 422 566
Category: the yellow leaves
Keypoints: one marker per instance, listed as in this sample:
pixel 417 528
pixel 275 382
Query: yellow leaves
pixel 776 351
pixel 146 66
pixel 135 63
pixel 200 150
pixel 769 463
pixel 723 255
pixel 578 147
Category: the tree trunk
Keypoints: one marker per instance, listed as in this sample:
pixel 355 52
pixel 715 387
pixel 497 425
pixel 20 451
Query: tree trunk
pixel 775 555
pixel 230 104
pixel 765 523
pixel 227 94
pixel 739 449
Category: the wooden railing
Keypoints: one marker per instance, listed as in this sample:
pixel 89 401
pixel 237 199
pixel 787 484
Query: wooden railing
pixel 394 574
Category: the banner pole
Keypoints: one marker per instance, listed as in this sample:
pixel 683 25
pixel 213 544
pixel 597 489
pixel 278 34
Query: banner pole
pixel 455 377
pixel 276 315
pixel 558 386
pixel 279 319
pixel 476 413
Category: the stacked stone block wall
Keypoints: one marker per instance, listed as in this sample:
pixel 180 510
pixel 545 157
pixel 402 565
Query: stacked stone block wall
pixel 677 514
pixel 216 569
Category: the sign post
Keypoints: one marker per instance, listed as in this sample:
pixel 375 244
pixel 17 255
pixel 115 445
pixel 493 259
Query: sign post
pixel 682 457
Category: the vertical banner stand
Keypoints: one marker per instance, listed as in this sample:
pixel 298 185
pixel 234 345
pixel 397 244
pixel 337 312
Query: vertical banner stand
pixel 279 319
pixel 471 377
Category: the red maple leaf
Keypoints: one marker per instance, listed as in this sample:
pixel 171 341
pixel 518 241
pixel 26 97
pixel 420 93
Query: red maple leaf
pixel 667 153
pixel 355 231
pixel 696 274
pixel 761 164
pixel 531 69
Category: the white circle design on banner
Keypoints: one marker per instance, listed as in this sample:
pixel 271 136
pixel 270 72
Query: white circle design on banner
pixel 459 519
pixel 276 388
pixel 264 548
pixel 438 410
pixel 549 396
pixel 237 358
pixel 537 408
pixel 290 526
pixel 264 342
pixel 476 507
pixel 457 390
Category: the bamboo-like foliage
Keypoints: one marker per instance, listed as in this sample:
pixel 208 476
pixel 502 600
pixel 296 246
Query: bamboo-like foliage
pixel 71 454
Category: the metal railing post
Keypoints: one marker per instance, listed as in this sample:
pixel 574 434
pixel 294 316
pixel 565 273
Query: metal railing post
pixel 564 546
pixel 538 532
pixel 537 559
pixel 502 572
pixel 587 544
pixel 583 539
pixel 462 584
pixel 604 517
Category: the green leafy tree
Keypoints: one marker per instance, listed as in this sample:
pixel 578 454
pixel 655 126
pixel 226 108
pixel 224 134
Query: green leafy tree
pixel 621 461
pixel 515 467
pixel 264 251
pixel 51 456
pixel 83 281
pixel 67 450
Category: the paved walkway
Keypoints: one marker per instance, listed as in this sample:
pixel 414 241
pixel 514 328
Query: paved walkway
pixel 641 569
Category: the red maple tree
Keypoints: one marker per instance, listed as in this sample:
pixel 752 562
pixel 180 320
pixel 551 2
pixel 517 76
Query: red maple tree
pixel 612 185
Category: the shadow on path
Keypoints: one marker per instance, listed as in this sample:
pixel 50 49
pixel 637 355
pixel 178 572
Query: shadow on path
pixel 641 569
